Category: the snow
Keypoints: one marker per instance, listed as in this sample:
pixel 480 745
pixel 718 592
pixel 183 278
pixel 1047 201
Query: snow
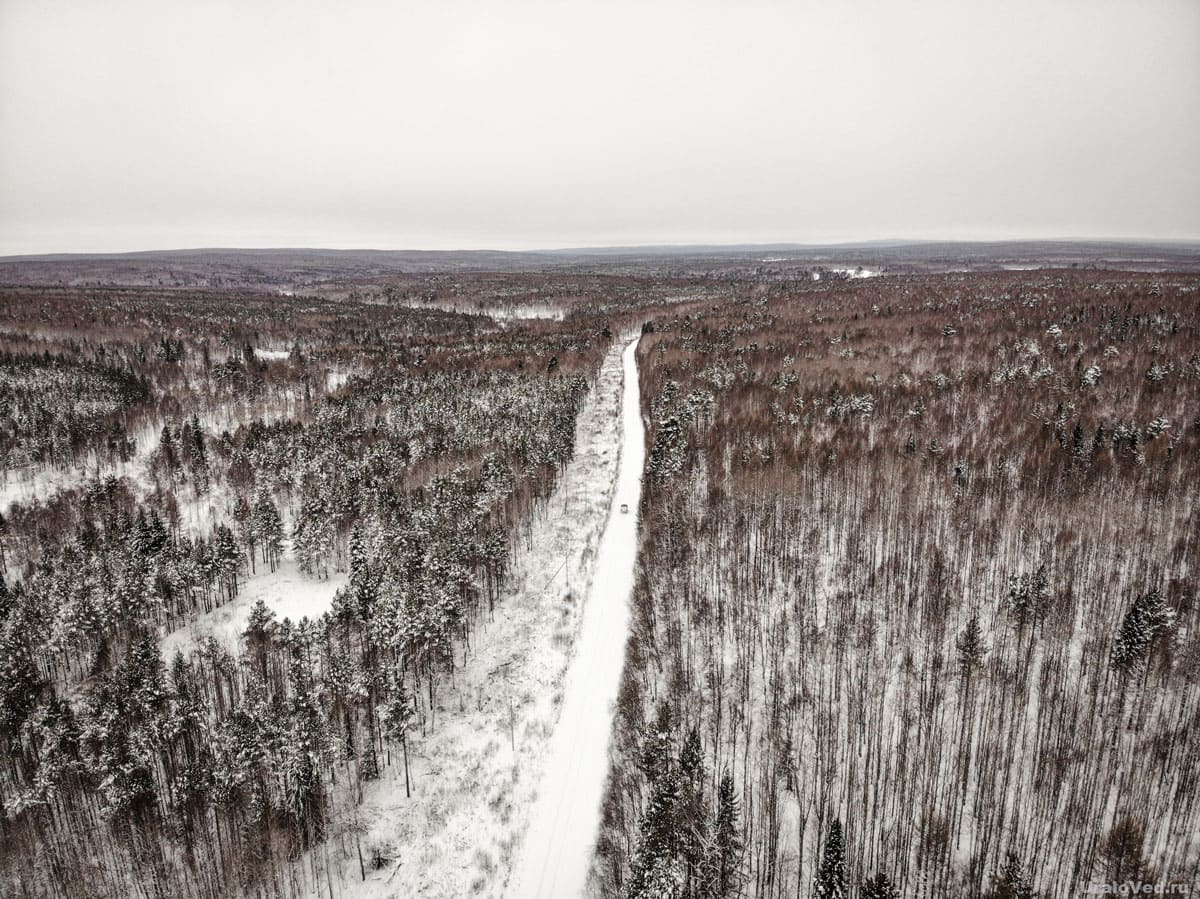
pixel 41 483
pixel 858 272
pixel 511 313
pixel 557 850
pixel 23 487
pixel 287 592
pixel 475 770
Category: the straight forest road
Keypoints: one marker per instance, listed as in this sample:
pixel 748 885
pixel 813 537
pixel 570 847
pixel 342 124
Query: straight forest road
pixel 557 852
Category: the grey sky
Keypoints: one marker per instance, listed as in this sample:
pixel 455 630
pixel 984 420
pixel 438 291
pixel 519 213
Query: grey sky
pixel 128 125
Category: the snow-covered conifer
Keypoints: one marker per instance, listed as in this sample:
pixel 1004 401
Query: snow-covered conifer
pixel 830 882
pixel 879 887
pixel 1148 620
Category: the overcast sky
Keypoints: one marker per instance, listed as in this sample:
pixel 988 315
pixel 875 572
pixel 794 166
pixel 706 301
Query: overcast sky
pixel 128 125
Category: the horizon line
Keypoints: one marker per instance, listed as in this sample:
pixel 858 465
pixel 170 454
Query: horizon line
pixel 881 243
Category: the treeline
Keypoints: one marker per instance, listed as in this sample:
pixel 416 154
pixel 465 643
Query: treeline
pixel 923 583
pixel 90 376
pixel 51 408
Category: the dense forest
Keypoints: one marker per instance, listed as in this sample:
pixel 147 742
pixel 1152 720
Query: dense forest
pixel 915 611
pixel 917 595
pixel 152 470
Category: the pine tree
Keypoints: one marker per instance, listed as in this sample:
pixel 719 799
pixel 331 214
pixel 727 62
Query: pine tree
pixel 692 812
pixel 268 528
pixel 659 840
pixel 1012 882
pixel 1148 619
pixel 830 882
pixel 20 682
pixel 168 452
pixel 397 717
pixel 228 558
pixel 879 887
pixel 312 537
pixel 260 627
pixel 1028 596
pixel 362 583
pixel 728 845
pixel 247 533
pixel 156 531
pixel 662 880
pixel 1077 444
pixel 970 648
pixel 306 748
pixel 1120 855
pixel 198 456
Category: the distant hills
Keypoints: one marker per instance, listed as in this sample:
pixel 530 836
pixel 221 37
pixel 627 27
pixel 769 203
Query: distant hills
pixel 290 268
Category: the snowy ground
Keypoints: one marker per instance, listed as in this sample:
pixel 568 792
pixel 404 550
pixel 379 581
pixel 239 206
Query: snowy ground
pixel 557 851
pixel 477 771
pixel 43 483
pixel 287 592
pixel 514 313
pixel 859 272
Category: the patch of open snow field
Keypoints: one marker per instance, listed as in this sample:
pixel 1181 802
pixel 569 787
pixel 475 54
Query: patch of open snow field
pixel 287 593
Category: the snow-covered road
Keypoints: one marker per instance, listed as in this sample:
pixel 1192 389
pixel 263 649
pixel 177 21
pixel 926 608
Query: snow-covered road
pixel 557 851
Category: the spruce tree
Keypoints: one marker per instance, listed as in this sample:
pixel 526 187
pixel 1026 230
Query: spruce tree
pixel 268 528
pixel 728 845
pixel 397 716
pixel 692 814
pixel 244 516
pixel 312 537
pixel 198 456
pixel 659 840
pixel 168 453
pixel 1028 596
pixel 362 582
pixel 260 627
pixel 1119 857
pixel 1012 882
pixel 879 887
pixel 1148 619
pixel 1077 444
pixel 830 882
pixel 228 558
pixel 970 648
pixel 662 880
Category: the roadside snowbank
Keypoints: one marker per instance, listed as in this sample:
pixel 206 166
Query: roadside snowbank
pixel 476 772
pixel 557 850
